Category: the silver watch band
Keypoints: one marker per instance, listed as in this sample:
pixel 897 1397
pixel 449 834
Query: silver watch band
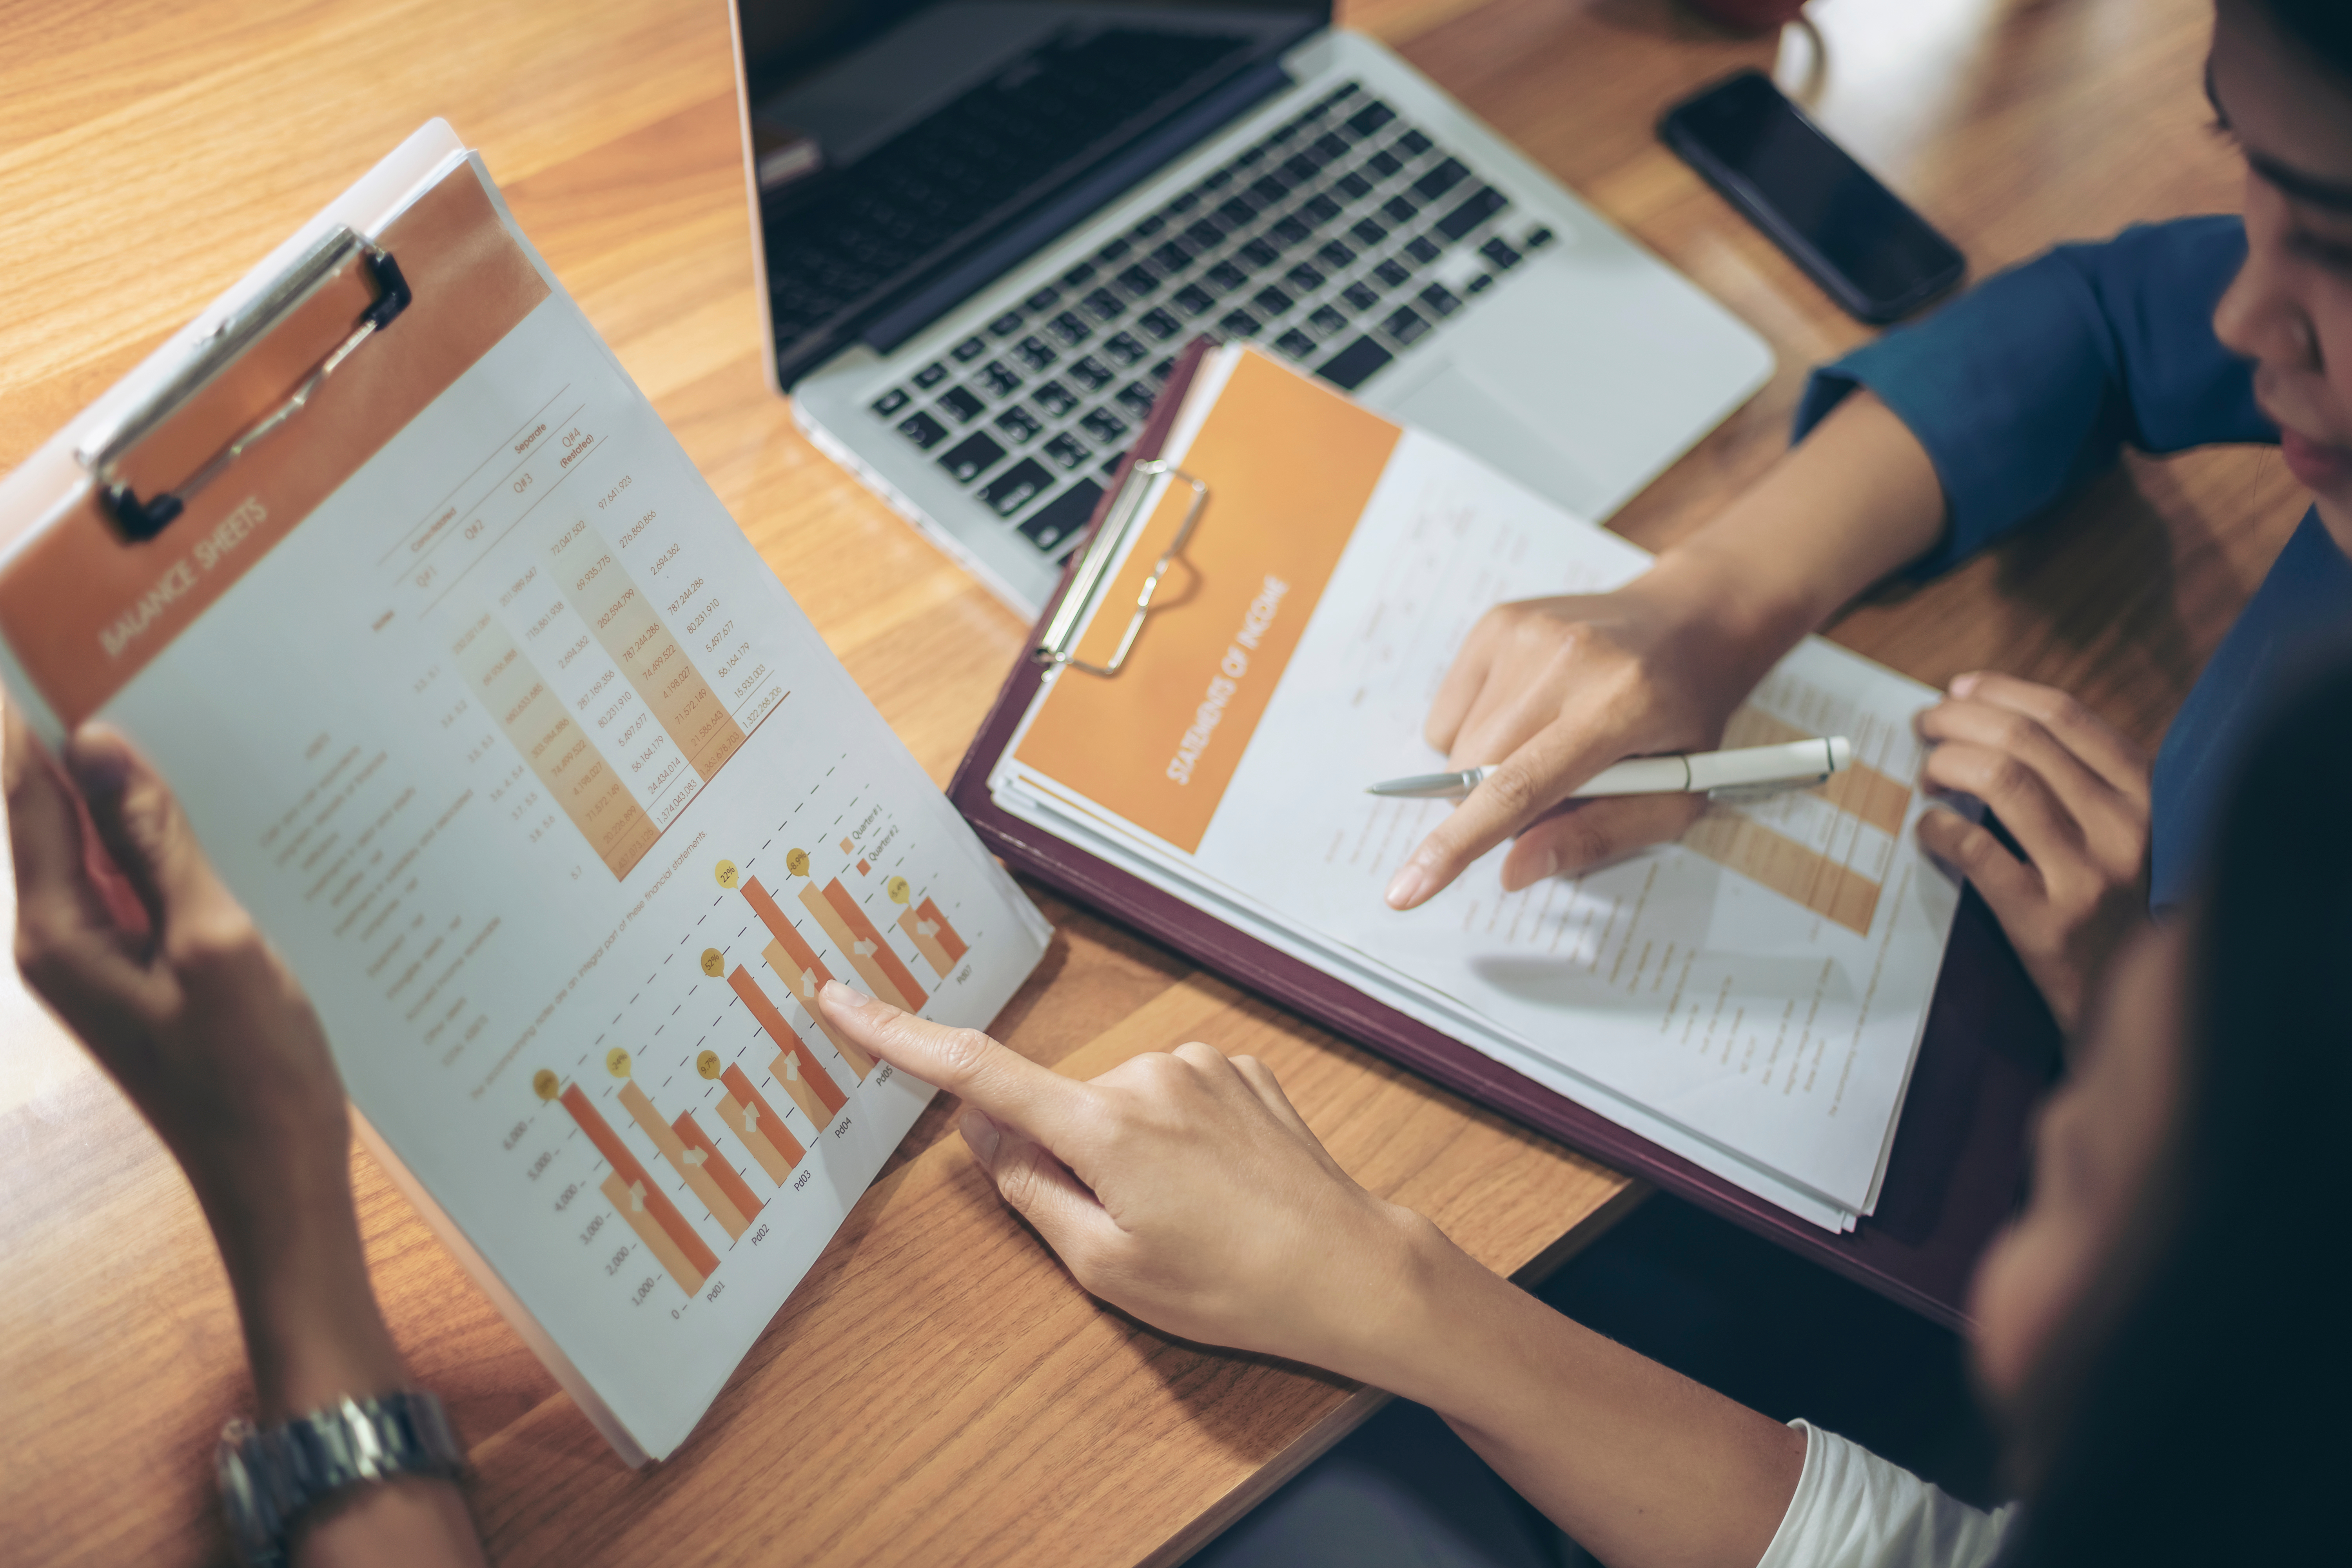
pixel 269 1480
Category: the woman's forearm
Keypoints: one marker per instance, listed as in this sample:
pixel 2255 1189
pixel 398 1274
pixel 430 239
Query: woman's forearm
pixel 1641 1467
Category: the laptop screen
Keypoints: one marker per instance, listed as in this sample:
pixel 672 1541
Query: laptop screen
pixel 894 140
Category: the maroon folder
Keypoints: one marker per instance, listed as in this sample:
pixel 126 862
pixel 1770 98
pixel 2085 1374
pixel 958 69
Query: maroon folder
pixel 1959 1149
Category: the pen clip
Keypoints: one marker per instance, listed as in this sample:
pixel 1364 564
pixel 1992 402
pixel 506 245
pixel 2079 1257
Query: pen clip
pixel 1128 512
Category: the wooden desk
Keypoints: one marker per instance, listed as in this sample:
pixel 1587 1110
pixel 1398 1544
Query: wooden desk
pixel 977 1408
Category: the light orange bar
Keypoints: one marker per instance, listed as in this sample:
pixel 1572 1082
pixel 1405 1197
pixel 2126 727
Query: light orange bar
pixel 792 957
pixel 715 1165
pixel 1787 867
pixel 813 1080
pixel 690 1246
pixel 933 937
pixel 885 973
pixel 1860 791
pixel 632 1200
pixel 682 1160
pixel 760 1117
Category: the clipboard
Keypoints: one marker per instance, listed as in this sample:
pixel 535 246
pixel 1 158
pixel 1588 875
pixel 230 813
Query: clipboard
pixel 1990 1048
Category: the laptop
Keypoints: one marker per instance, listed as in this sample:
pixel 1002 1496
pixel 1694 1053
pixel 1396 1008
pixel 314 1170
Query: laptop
pixel 986 228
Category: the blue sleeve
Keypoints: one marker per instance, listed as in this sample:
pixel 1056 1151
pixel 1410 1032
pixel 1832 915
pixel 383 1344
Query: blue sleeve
pixel 2030 384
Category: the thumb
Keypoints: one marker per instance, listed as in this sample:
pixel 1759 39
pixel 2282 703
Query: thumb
pixel 140 821
pixel 1041 1189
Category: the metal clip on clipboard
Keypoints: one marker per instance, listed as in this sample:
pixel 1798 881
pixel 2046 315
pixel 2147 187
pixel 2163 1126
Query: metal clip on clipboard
pixel 106 448
pixel 1104 551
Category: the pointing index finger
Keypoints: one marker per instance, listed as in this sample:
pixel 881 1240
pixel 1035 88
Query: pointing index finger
pixel 1005 1084
pixel 1537 775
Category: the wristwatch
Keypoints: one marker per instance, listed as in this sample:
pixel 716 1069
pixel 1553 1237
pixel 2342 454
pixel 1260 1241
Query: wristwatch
pixel 269 1480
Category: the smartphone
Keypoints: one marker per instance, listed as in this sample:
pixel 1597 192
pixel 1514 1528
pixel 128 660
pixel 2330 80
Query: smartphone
pixel 1875 256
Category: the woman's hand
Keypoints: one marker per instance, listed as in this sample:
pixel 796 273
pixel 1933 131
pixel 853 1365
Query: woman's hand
pixel 1178 1186
pixel 2074 795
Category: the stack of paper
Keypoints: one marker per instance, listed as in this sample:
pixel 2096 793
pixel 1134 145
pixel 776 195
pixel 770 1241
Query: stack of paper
pixel 1751 998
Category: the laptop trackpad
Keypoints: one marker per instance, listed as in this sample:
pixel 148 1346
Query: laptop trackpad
pixel 1453 406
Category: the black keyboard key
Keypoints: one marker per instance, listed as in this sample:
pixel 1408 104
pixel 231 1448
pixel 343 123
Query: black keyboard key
pixel 922 430
pixel 1174 257
pixel 1204 236
pixel 1239 323
pixel 1160 324
pixel 1257 254
pixel 1124 348
pixel 1066 450
pixel 1193 299
pixel 1301 168
pixel 1137 398
pixel 1225 277
pixel 1440 299
pixel 1400 209
pixel 1304 279
pixel 969 349
pixel 1440 179
pixel 1189 200
pixel 1383 165
pixel 1412 143
pixel 1405 325
pixel 1063 517
pixel 890 402
pixel 1295 343
pixel 1367 232
pixel 1019 424
pixel 1070 330
pixel 1327 321
pixel 1238 212
pixel 1005 325
pixel 963 403
pixel 1316 210
pixel 1538 238
pixel 1110 464
pixel 1103 425
pixel 1253 156
pixel 1421 249
pixel 1363 296
pixel 1138 280
pixel 1079 277
pixel 1104 305
pixel 1162 371
pixel 931 375
pixel 1017 486
pixel 1149 227
pixel 1034 353
pixel 1354 365
pixel 1330 145
pixel 1485 204
pixel 1091 372
pixel 1002 380
pixel 1480 284
pixel 1055 399
pixel 1370 117
pixel 1114 253
pixel 1271 301
pixel 1269 189
pixel 1392 272
pixel 970 456
pixel 1334 254
pixel 1286 232
pixel 1498 251
pixel 1043 298
pixel 1354 186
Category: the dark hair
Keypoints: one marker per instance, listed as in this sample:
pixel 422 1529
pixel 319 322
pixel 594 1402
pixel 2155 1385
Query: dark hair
pixel 2323 26
pixel 2206 1407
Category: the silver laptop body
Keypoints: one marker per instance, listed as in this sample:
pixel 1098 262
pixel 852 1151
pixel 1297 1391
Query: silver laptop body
pixel 1338 209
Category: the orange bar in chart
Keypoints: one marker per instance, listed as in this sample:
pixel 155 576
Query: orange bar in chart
pixel 1860 791
pixel 572 771
pixel 646 1206
pixel 933 937
pixel 811 1087
pixel 649 654
pixel 746 1112
pixel 1787 867
pixel 630 1199
pixel 688 1163
pixel 792 957
pixel 845 921
pixel 714 1164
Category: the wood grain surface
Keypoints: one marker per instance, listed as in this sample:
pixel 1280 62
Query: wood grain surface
pixel 937 1391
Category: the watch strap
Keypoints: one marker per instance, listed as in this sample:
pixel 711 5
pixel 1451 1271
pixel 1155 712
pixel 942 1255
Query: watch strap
pixel 269 1479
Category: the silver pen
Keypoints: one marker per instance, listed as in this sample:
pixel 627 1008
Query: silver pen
pixel 1750 773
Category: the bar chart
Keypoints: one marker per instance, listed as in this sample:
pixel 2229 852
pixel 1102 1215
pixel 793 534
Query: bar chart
pixel 696 1159
pixel 844 920
pixel 646 1210
pixel 933 937
pixel 748 1116
pixel 811 1087
pixel 802 971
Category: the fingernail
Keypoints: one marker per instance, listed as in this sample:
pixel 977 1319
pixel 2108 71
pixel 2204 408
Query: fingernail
pixel 1404 889
pixel 834 993
pixel 1963 684
pixel 981 1133
pixel 100 764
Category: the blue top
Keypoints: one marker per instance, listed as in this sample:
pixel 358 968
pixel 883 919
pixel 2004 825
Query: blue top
pixel 2030 383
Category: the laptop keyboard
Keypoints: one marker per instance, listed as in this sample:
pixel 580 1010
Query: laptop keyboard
pixel 1340 239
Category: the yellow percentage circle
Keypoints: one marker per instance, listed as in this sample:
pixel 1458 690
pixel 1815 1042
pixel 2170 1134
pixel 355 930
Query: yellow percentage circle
pixel 796 861
pixel 714 962
pixel 544 1083
pixel 708 1065
pixel 617 1062
pixel 897 889
pixel 727 874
